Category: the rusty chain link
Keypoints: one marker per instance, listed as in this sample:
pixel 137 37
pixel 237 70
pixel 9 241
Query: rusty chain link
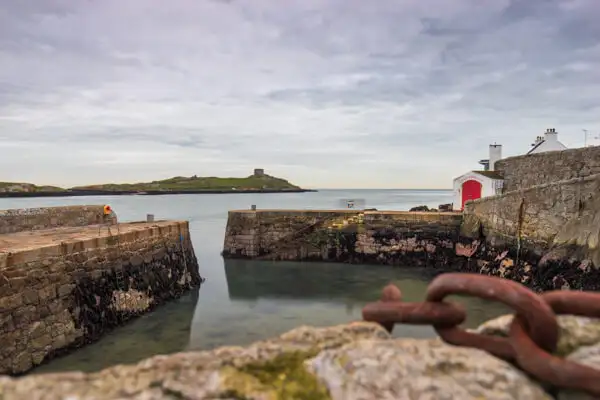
pixel 533 333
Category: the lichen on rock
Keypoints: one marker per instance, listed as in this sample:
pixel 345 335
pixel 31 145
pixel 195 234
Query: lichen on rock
pixel 283 377
pixel 419 369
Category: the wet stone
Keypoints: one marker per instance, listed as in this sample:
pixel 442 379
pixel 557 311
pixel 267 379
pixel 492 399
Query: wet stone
pixel 65 290
pixel 136 260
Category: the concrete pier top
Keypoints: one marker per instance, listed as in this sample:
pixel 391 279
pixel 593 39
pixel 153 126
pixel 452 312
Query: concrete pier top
pixel 19 241
pixel 342 212
pixel 61 240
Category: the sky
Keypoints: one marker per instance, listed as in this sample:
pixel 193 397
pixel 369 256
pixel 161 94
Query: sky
pixel 324 93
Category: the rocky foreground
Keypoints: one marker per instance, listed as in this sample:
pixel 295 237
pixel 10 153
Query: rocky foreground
pixel 355 361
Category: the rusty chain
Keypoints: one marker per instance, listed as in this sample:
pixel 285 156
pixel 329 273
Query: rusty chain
pixel 533 333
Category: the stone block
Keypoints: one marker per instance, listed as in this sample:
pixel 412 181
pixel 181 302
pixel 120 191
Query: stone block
pixel 17 283
pixel 65 290
pixel 22 362
pixel 47 293
pixel 30 296
pixel 10 303
pixel 41 342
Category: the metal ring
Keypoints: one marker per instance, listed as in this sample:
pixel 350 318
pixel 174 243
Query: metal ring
pixel 546 367
pixel 515 295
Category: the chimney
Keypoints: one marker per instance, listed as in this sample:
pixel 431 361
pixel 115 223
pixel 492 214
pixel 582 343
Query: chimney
pixel 495 155
pixel 551 135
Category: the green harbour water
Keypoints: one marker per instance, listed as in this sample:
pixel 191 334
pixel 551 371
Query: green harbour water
pixel 244 301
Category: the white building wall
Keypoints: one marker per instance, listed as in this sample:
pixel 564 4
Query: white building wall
pixel 550 143
pixel 549 146
pixel 489 187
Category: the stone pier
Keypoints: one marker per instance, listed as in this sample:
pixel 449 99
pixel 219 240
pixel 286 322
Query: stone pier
pixel 381 237
pixel 68 276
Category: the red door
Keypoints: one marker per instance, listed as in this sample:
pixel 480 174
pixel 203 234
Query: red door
pixel 471 190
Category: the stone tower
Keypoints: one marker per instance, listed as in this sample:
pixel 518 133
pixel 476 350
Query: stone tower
pixel 258 172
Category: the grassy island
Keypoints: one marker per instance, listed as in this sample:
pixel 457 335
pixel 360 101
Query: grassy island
pixel 259 182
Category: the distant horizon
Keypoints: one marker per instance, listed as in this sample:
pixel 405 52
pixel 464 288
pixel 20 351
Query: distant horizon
pixel 224 177
pixel 423 189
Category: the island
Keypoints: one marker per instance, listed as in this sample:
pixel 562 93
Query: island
pixel 258 182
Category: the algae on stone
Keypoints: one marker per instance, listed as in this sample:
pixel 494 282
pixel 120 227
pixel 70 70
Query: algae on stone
pixel 283 377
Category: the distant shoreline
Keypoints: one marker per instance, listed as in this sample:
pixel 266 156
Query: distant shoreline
pixel 76 193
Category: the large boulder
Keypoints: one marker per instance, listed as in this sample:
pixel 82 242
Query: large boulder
pixel 353 361
pixel 419 369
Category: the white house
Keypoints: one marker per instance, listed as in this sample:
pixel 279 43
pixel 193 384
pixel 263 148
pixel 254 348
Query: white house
pixel 548 142
pixel 476 184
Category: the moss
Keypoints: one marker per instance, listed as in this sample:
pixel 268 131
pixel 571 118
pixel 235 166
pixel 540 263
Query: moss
pixel 283 377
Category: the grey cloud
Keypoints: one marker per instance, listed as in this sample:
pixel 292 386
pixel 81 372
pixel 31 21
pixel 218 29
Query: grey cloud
pixel 339 87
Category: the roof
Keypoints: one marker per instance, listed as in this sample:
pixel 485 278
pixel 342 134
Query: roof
pixel 489 174
pixel 541 143
pixel 536 146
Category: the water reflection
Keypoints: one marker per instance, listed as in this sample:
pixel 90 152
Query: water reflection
pixel 167 330
pixel 256 300
pixel 339 290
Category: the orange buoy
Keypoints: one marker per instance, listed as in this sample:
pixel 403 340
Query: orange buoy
pixel 107 210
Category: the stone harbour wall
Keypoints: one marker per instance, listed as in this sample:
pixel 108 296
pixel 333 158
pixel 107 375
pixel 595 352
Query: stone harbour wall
pixel 545 236
pixel 391 237
pixel 252 233
pixel 358 360
pixel 59 297
pixel 536 214
pixel 27 219
pixel 543 168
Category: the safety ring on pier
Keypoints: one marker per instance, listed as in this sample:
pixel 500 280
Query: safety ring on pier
pixel 107 210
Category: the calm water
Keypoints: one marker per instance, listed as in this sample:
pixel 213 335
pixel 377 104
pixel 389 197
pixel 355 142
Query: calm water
pixel 245 301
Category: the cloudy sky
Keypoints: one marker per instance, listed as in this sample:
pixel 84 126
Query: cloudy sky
pixel 326 93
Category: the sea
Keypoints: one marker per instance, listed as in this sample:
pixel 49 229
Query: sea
pixel 244 301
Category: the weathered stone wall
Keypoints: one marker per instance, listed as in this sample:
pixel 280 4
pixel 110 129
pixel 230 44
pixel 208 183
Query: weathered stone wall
pixel 18 220
pixel 546 236
pixel 59 297
pixel 396 238
pixel 253 233
pixel 537 169
pixel 537 214
pixel 557 246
